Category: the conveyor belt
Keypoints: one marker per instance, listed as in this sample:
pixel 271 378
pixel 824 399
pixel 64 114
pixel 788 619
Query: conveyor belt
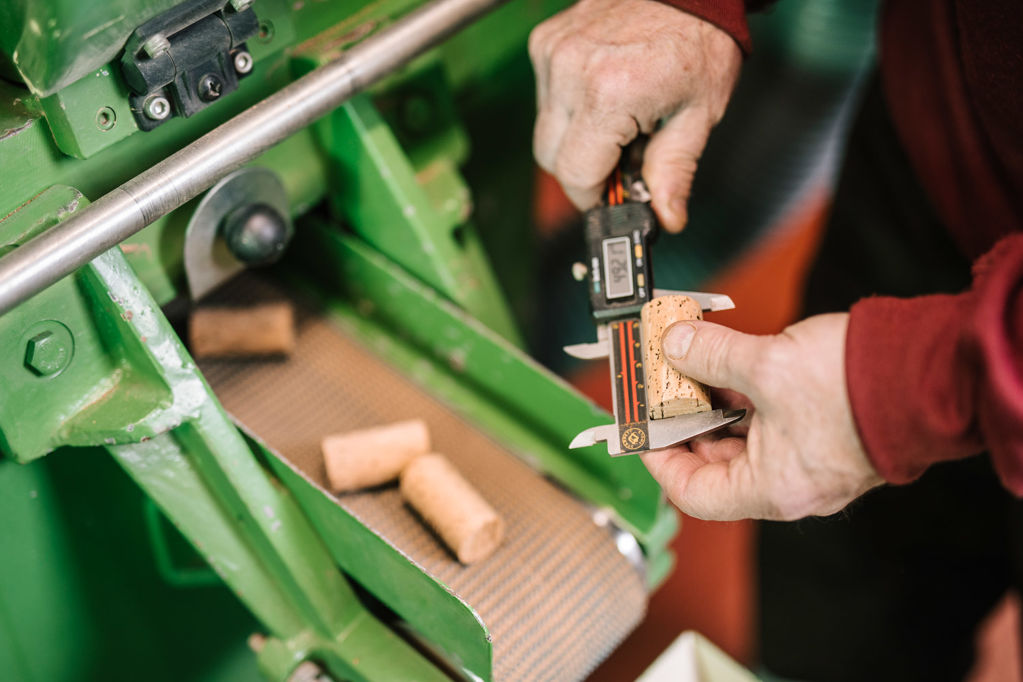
pixel 557 596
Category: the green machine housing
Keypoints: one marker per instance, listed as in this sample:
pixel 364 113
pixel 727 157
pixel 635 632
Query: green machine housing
pixel 154 521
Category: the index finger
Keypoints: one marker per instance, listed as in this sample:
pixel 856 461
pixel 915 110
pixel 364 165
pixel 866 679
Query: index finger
pixel 589 152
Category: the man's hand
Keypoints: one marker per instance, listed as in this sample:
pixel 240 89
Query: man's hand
pixel 607 70
pixel 801 455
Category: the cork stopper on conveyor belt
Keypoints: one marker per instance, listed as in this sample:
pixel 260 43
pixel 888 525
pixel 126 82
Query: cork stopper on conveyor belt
pixel 450 505
pixel 264 329
pixel 374 456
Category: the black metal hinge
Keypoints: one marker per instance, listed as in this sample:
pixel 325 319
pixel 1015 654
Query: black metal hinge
pixel 187 58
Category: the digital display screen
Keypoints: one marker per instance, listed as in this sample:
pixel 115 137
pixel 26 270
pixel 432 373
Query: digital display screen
pixel 618 279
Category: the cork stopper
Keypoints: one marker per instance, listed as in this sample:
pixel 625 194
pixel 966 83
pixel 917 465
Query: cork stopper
pixel 669 392
pixel 259 330
pixel 449 504
pixel 373 456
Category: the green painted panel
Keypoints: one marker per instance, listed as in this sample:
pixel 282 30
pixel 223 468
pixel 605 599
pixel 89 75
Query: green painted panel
pixel 80 597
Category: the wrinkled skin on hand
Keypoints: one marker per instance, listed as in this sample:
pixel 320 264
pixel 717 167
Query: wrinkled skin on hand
pixel 607 70
pixel 798 454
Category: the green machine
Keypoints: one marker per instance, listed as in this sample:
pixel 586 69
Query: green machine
pixel 168 519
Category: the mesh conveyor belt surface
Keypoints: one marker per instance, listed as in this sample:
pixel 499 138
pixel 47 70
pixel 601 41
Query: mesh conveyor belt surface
pixel 557 596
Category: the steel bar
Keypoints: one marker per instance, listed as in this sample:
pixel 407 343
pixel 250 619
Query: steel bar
pixel 167 185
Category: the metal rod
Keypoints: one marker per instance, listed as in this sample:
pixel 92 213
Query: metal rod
pixel 119 214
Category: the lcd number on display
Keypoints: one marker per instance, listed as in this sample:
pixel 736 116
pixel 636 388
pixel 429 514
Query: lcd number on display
pixel 618 279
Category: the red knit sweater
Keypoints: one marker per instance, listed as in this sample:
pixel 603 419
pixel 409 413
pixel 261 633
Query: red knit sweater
pixel 941 377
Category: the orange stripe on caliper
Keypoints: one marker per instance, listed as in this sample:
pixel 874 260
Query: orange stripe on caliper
pixel 625 371
pixel 632 373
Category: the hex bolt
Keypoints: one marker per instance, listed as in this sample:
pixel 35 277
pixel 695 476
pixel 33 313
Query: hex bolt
pixel 242 62
pixel 240 5
pixel 210 88
pixel 156 45
pixel 45 354
pixel 156 107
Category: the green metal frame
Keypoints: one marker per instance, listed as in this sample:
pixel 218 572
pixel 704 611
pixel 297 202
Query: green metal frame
pixel 92 362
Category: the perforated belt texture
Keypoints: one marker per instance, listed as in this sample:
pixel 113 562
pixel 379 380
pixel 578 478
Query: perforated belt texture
pixel 557 596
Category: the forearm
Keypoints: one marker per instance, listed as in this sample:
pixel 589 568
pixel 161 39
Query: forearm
pixel 941 377
pixel 728 15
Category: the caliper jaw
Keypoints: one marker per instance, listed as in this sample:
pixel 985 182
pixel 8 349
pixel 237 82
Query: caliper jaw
pixel 661 433
pixel 635 433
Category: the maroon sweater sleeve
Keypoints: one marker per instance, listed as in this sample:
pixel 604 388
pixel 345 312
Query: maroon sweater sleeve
pixel 728 15
pixel 941 377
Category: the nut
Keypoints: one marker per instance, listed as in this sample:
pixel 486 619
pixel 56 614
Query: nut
pixel 45 354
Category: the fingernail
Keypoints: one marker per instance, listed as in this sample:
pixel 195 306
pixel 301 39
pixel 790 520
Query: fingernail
pixel 677 339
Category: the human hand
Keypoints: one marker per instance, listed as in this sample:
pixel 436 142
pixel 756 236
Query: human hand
pixel 801 455
pixel 607 70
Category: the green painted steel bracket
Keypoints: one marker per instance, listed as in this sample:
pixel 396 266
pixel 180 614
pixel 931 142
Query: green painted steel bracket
pixel 494 384
pixel 99 342
pixel 92 113
pixel 166 557
pixel 414 209
pixel 437 615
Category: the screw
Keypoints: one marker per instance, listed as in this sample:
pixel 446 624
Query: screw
pixel 45 355
pixel 210 88
pixel 105 118
pixel 242 61
pixel 240 5
pixel 156 107
pixel 155 45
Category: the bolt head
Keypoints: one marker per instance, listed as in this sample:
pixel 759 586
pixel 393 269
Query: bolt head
pixel 210 88
pixel 45 354
pixel 156 45
pixel 242 62
pixel 156 108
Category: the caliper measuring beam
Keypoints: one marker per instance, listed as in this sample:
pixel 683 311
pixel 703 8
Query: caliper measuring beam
pixel 620 278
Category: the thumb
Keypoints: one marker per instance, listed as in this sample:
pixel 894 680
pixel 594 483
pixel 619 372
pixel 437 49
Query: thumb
pixel 669 164
pixel 712 354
